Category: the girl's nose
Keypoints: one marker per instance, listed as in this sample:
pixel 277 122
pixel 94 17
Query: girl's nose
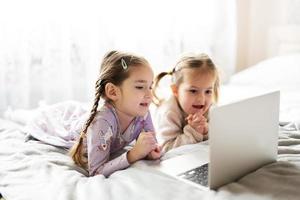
pixel 201 98
pixel 148 94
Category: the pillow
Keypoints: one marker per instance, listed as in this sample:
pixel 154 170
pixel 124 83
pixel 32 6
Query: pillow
pixel 282 72
pixel 278 73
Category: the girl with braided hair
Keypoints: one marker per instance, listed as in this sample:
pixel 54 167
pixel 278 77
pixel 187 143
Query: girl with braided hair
pixel 125 84
pixel 96 138
pixel 183 118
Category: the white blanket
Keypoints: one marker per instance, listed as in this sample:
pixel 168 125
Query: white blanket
pixel 34 170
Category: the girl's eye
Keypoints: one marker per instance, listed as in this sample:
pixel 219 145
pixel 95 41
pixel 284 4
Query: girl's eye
pixel 143 87
pixel 208 92
pixel 139 87
pixel 193 91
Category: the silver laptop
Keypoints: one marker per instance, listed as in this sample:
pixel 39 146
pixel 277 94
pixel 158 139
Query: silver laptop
pixel 243 136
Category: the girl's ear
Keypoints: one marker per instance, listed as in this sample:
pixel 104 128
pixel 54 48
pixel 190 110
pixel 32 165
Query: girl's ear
pixel 174 89
pixel 112 91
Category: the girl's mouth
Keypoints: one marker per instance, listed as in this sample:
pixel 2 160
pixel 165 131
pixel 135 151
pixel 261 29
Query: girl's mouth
pixel 144 104
pixel 198 106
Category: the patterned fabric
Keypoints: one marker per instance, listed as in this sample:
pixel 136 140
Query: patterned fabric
pixel 104 138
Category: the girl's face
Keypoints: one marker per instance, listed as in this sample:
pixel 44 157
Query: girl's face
pixel 195 93
pixel 135 92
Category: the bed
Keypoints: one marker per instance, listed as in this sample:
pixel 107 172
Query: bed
pixel 30 169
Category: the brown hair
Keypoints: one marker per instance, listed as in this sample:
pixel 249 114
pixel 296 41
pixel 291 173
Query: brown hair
pixel 190 61
pixel 115 68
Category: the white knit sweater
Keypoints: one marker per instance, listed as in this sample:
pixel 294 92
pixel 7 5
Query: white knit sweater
pixel 172 128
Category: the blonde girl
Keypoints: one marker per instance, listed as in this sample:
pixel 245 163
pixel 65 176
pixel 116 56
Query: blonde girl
pixel 182 119
pixel 124 83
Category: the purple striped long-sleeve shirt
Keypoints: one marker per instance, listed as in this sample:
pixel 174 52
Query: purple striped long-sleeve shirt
pixel 104 138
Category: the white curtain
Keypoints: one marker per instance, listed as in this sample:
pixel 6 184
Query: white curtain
pixel 50 50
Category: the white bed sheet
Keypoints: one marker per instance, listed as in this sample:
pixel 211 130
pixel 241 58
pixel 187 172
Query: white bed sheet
pixel 32 170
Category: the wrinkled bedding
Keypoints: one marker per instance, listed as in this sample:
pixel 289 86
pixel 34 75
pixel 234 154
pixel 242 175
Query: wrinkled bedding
pixel 32 170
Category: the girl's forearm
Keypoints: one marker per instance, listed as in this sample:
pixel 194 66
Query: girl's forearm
pixel 131 156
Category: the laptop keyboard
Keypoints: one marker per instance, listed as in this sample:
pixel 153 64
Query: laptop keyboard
pixel 198 175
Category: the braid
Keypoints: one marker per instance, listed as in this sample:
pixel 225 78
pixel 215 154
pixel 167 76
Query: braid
pixel 156 100
pixel 95 106
pixel 76 151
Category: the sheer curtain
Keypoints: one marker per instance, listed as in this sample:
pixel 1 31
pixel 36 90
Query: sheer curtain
pixel 50 50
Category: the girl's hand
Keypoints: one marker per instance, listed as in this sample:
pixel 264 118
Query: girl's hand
pixel 198 122
pixel 145 143
pixel 154 154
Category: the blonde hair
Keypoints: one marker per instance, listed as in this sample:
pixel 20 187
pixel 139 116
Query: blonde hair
pixel 115 68
pixel 189 61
